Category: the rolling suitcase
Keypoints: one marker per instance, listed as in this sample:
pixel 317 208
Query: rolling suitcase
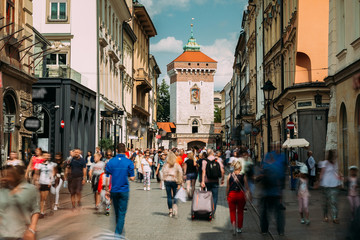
pixel 202 205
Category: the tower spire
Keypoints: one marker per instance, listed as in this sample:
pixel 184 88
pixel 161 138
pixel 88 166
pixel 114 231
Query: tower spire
pixel 192 46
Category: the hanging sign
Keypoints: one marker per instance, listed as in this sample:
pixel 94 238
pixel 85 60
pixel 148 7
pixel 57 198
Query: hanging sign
pixel 62 124
pixel 32 124
pixel 290 125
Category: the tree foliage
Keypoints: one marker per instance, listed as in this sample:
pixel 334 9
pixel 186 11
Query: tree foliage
pixel 217 114
pixel 106 144
pixel 163 102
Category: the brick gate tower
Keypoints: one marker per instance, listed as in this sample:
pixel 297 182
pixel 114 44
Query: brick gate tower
pixel 192 97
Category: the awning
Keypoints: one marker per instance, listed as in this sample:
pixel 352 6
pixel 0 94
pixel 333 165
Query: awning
pixel 294 143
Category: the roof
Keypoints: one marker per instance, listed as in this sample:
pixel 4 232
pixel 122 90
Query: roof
pixel 144 19
pixel 193 57
pixel 167 126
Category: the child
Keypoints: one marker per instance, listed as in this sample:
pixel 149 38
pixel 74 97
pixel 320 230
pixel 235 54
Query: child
pixel 353 184
pixel 303 195
pixel 105 201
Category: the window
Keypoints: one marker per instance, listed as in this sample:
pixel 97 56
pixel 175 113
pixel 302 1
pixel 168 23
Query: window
pixel 58 10
pixel 56 59
pixel 344 139
pixel 194 129
pixel 10 15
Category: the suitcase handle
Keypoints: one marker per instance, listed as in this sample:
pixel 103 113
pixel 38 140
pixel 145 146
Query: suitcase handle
pixel 201 189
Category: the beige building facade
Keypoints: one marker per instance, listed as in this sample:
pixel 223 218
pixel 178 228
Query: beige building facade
pixel 344 82
pixel 16 75
pixel 144 29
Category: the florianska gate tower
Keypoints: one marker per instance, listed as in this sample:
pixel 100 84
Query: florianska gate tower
pixel 192 97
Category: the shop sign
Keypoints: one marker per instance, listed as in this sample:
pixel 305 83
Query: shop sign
pixel 304 104
pixel 32 124
pixel 323 105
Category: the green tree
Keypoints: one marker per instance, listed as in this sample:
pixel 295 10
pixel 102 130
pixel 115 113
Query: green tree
pixel 106 144
pixel 217 114
pixel 163 102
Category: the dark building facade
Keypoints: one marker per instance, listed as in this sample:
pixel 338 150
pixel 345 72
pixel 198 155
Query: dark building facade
pixel 67 110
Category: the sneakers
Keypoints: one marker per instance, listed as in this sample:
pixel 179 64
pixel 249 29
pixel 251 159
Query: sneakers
pixel 144 188
pixel 307 221
pixel 238 230
pixel 234 230
pixel 56 208
pixel 302 221
pixel 148 188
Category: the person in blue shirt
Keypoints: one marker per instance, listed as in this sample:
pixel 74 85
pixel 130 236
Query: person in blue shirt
pixel 121 170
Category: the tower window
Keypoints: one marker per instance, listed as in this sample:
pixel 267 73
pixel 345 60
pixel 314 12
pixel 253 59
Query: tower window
pixel 195 129
pixel 189 64
pixel 198 64
pixel 207 64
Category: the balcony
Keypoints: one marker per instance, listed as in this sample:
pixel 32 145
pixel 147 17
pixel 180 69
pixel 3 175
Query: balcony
pixel 55 71
pixel 142 80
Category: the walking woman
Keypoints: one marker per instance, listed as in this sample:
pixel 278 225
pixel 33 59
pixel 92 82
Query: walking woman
pixel 33 165
pixel 96 169
pixel 89 161
pixel 202 156
pixel 172 176
pixel 162 161
pixel 45 174
pixel 235 191
pixel 137 164
pixel 190 174
pixel 59 178
pixel 330 180
pixel 146 164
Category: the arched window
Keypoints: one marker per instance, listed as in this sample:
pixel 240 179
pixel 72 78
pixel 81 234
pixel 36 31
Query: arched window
pixel 9 111
pixel 195 126
pixel 303 68
pixel 344 139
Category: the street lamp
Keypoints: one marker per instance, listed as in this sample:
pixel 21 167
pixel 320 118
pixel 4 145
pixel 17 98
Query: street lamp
pixel 269 91
pixel 116 113
pixel 221 132
pixel 227 135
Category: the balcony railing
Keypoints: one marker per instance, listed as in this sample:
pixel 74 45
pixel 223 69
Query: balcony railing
pixel 55 71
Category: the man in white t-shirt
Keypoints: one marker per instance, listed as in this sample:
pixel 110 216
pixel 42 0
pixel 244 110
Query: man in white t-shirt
pixel 227 155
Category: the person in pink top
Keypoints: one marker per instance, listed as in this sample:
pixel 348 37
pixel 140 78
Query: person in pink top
pixel 35 161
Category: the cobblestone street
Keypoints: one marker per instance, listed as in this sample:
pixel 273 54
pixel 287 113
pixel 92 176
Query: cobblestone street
pixel 147 219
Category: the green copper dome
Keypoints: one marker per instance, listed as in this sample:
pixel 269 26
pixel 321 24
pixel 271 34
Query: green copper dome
pixel 192 45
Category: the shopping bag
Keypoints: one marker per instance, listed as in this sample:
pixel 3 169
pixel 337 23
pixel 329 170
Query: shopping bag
pixel 181 195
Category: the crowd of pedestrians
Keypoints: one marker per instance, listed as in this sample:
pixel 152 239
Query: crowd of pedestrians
pixel 176 170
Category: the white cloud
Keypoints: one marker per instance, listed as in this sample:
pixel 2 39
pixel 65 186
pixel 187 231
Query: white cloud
pixel 155 7
pixel 169 44
pixel 222 50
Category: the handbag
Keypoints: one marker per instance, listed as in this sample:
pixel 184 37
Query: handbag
pixel 181 195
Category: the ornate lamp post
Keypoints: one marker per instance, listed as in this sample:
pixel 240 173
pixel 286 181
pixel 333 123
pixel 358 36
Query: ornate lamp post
pixel 116 113
pixel 269 90
pixel 221 132
pixel 227 135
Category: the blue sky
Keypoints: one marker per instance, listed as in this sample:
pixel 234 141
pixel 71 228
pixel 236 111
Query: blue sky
pixel 217 24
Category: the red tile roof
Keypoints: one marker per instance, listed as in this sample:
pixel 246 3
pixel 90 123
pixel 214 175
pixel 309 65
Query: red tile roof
pixel 166 126
pixel 189 56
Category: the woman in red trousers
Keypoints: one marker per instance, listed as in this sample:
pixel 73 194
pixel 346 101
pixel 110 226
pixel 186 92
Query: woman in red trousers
pixel 236 190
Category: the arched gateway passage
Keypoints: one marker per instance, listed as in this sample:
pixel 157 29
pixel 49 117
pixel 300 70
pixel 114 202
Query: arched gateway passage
pixel 198 144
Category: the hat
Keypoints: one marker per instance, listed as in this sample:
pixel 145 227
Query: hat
pixel 353 167
pixel 304 169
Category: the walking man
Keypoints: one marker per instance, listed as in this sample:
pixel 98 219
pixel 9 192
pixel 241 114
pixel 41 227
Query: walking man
pixel 121 170
pixel 310 163
pixel 76 175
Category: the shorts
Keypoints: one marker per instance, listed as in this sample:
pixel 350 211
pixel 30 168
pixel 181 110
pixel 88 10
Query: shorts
pixel 191 176
pixel 75 185
pixel 95 183
pixel 44 188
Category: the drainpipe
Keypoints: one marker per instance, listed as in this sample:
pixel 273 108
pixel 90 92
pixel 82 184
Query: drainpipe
pixel 97 132
pixel 122 84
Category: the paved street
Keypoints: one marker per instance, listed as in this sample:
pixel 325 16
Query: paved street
pixel 147 219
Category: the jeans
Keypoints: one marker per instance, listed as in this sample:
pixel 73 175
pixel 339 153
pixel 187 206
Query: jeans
pixel 272 204
pixel 120 201
pixel 171 188
pixel 214 188
pixel 330 201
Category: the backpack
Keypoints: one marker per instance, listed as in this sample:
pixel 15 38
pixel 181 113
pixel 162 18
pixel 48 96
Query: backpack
pixel 213 171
